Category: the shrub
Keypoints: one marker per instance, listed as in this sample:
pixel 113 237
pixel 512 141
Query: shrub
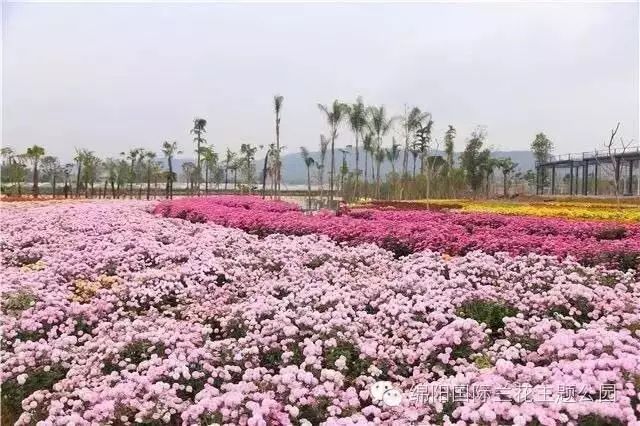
pixel 489 312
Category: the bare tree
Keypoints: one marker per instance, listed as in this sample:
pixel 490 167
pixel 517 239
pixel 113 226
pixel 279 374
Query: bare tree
pixel 616 155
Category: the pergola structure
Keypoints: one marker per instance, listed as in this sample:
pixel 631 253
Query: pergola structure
pixel 580 165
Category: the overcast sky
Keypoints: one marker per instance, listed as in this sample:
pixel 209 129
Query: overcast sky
pixel 112 76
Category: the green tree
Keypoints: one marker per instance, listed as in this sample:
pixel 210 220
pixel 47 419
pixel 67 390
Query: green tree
pixel 210 159
pixel 393 154
pixel 449 139
pixel 33 154
pixel 308 162
pixel 411 122
pixel 199 128
pixel 542 147
pixel 248 151
pixel 90 169
pixel 228 163
pixel 474 158
pixel 132 157
pixel 277 106
pixel 170 150
pixel 189 170
pixel 344 168
pixel 324 145
pixel 367 147
pixel 334 116
pixel 506 166
pixel 51 169
pixel 357 122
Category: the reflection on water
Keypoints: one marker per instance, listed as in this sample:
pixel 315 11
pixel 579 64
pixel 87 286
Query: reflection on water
pixel 303 202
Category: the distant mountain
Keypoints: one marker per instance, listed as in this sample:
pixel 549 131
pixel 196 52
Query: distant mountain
pixel 294 171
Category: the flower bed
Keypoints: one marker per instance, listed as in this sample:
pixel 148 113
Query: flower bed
pixel 404 232
pixel 626 211
pixel 112 316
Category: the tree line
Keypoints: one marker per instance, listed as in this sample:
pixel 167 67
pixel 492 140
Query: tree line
pixel 428 167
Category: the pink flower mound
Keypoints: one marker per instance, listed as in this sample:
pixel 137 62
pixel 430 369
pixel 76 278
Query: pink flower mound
pixel 403 232
pixel 111 316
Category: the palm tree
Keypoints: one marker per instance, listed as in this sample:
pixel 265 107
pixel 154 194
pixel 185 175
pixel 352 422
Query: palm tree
pixel 111 167
pixel 308 161
pixel 79 159
pixel 34 153
pixel 149 156
pixel 265 167
pixel 51 167
pixel 133 156
pixel 230 158
pixel 411 122
pixel 277 106
pixel 393 154
pixel 449 137
pixel 357 122
pixel 199 125
pixel 334 117
pixel 188 168
pixel 210 159
pixel 367 147
pixel 379 124
pixel 324 144
pixel 170 149
pixel 423 133
pixel 249 153
pixel 344 168
pixel 90 167
pixel 379 158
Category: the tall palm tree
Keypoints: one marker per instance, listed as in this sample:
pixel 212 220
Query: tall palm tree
pixel 34 153
pixel 357 122
pixel 334 116
pixel 198 129
pixel 393 154
pixel 133 156
pixel 229 160
pixel 423 133
pixel 411 122
pixel 248 151
pixel 367 147
pixel 50 166
pixel 379 124
pixel 90 169
pixel 449 137
pixel 265 167
pixel 379 158
pixel 79 157
pixel 149 156
pixel 188 168
pixel 170 149
pixel 277 106
pixel 308 161
pixel 209 157
pixel 344 168
pixel 324 144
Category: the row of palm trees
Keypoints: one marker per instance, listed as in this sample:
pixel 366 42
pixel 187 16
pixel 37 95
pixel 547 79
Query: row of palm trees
pixel 370 126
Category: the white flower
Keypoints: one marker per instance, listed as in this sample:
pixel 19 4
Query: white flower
pixel 341 362
pixel 22 378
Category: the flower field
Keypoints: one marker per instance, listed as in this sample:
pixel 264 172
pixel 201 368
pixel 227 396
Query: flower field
pixel 627 211
pixel 616 245
pixel 238 311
